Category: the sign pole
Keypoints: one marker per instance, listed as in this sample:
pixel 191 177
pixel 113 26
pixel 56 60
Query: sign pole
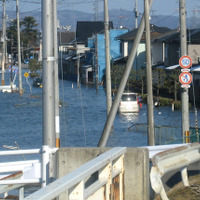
pixel 184 93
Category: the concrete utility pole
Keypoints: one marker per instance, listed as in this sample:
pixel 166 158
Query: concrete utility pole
pixel 136 14
pixel 78 68
pixel 150 116
pixel 48 63
pixel 56 80
pixel 107 53
pixel 96 64
pixel 184 94
pixel 19 50
pixel 96 10
pixel 48 74
pixel 129 65
pixel 4 43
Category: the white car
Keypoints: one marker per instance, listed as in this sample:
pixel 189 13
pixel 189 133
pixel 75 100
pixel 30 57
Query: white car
pixel 129 103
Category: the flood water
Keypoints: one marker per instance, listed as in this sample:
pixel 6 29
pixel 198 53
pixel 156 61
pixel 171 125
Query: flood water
pixel 82 118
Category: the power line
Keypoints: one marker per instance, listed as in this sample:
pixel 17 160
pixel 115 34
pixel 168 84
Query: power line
pixel 166 17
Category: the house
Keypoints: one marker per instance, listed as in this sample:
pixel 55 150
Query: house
pixel 65 42
pixel 127 43
pixel 171 56
pixel 171 46
pixel 85 30
pixel 97 46
pixel 90 40
pixel 74 51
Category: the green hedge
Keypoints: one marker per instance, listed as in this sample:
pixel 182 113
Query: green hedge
pixel 166 102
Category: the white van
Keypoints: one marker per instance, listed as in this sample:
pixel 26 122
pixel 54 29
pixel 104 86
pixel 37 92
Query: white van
pixel 129 103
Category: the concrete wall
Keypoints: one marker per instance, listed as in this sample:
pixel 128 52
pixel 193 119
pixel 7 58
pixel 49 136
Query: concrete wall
pixel 136 176
pixel 194 53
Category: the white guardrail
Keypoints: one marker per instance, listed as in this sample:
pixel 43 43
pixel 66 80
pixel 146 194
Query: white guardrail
pixel 109 165
pixel 16 174
pixel 177 158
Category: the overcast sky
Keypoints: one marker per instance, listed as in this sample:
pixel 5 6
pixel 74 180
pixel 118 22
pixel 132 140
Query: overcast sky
pixel 165 7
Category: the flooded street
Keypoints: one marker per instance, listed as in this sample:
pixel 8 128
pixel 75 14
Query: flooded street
pixel 82 118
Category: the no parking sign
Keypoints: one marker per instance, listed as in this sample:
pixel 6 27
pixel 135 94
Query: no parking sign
pixel 185 79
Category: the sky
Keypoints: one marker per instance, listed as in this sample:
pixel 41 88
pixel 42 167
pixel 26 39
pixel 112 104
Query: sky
pixel 164 7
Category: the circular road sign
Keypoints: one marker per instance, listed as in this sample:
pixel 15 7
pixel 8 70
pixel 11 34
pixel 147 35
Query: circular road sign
pixel 26 74
pixel 185 62
pixel 185 78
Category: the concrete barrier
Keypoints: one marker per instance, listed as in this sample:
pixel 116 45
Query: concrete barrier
pixel 136 166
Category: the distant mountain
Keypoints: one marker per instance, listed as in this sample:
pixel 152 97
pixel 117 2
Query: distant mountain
pixel 118 16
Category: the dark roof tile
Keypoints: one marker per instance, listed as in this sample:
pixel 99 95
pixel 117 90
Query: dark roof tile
pixel 86 29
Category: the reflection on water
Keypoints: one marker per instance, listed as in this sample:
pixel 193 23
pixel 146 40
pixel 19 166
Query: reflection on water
pixel 128 117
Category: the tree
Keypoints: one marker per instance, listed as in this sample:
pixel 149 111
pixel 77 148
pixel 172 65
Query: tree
pixel 172 82
pixel 116 74
pixel 141 79
pixel 12 34
pixel 29 33
pixel 131 80
pixel 159 77
pixel 34 66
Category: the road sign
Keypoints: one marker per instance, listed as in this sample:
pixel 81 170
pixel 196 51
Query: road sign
pixel 26 74
pixel 185 62
pixel 185 78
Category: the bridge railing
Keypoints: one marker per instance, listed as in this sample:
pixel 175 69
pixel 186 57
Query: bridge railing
pixel 100 178
pixel 16 174
pixel 166 161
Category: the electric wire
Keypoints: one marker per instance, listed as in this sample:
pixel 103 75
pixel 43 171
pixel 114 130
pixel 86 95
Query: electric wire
pixel 159 21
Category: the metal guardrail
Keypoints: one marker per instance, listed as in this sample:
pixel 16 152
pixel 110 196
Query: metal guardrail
pixel 108 167
pixel 32 171
pixel 166 161
pixel 153 150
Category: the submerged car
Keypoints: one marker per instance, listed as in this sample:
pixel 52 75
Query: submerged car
pixel 37 82
pixel 129 103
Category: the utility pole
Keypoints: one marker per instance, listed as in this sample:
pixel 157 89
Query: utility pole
pixel 78 67
pixel 96 64
pixel 11 78
pixel 4 43
pixel 129 65
pixel 96 10
pixel 48 74
pixel 107 53
pixel 19 50
pixel 56 81
pixel 183 42
pixel 150 116
pixel 136 14
pixel 48 90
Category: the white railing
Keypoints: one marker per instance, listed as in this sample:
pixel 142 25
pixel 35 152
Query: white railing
pixel 108 166
pixel 177 158
pixel 153 150
pixel 16 174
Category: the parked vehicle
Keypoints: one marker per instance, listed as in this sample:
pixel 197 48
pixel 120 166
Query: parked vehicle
pixel 129 103
pixel 26 61
pixel 37 82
